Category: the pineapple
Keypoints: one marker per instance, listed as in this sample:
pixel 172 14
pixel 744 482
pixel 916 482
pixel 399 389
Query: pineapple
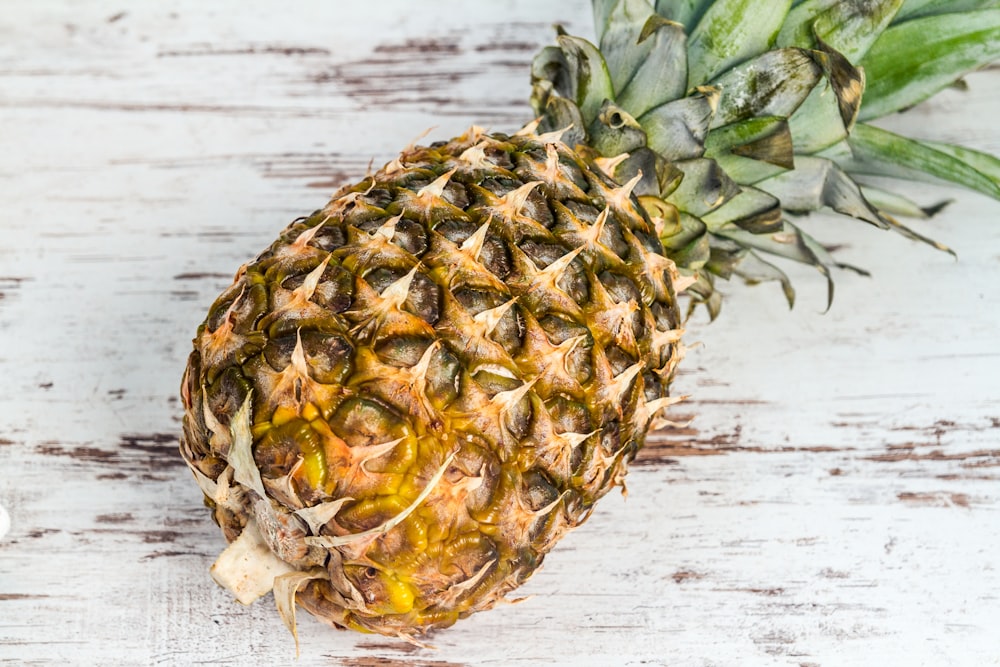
pixel 399 408
pixel 405 402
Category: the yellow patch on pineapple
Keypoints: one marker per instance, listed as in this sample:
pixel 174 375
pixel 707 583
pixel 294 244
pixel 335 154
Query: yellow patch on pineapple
pixel 313 462
pixel 399 594
pixel 283 414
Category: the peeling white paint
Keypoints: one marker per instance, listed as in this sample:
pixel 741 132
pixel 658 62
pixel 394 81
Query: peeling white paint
pixel 4 522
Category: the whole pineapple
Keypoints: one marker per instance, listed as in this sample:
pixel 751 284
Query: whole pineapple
pixel 399 407
pixel 418 389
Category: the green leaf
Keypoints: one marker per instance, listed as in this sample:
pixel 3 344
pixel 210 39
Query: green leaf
pixel 589 73
pixel 913 60
pixel 602 16
pixel 753 149
pixel 658 177
pixel 703 293
pixel 797 29
pixel 746 171
pixel 662 75
pixel 559 113
pixel 687 242
pixel 725 256
pixel 704 188
pixel 686 12
pixel 790 243
pixel 549 75
pixel 730 32
pixel 892 203
pixel 677 130
pixel 917 8
pixel 620 45
pixel 848 27
pixel 774 83
pixel 881 152
pixel 900 228
pixel 755 270
pixel 817 182
pixel 846 81
pixel 986 164
pixel 817 124
pixel 754 210
pixel 826 115
pixel 766 139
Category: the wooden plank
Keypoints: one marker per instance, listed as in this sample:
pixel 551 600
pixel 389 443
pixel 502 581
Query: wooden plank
pixel 834 500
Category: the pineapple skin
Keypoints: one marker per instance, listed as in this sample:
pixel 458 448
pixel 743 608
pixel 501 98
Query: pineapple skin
pixel 418 389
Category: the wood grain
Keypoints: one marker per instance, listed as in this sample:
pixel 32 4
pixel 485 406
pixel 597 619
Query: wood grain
pixel 833 502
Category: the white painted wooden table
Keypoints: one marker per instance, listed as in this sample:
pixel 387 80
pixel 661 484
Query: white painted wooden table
pixel 835 502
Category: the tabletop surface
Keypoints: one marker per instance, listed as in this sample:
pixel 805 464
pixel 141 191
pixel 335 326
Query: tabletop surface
pixel 834 500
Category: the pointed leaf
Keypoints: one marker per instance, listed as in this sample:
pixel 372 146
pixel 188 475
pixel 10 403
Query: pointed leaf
pixel 825 261
pixel 745 170
pixel 602 16
pixel 725 256
pixel 786 243
pixel 772 84
pixel 559 113
pixel 620 45
pixel 754 210
pixel 986 164
pixel 900 228
pixel 245 470
pixel 828 113
pixel 818 123
pixel 791 243
pixel 767 139
pixel 880 152
pixel 687 242
pixel 730 32
pixel 703 293
pixel 848 27
pixel 285 588
pixel 550 66
pixel 846 81
pixel 319 515
pixel 892 203
pixel 677 130
pixel 817 182
pixel 686 12
pixel 705 187
pixel 917 8
pixel 774 148
pixel 588 71
pixel 752 150
pixel 662 75
pixel 913 60
pixel 797 29
pixel 754 270
pixel 659 177
pixel 679 230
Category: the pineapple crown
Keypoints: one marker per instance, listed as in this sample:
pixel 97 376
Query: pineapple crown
pixel 733 115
